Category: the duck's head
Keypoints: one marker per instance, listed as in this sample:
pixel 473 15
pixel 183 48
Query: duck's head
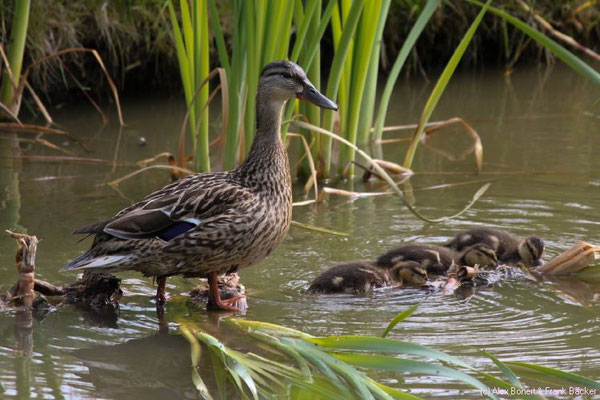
pixel 531 251
pixel 283 80
pixel 480 254
pixel 409 273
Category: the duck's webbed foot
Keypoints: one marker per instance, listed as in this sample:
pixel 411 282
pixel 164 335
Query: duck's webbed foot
pixel 216 303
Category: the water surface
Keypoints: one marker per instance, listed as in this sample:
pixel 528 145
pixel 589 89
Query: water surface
pixel 539 132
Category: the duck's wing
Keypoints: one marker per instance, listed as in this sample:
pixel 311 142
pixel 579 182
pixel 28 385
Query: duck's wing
pixel 172 210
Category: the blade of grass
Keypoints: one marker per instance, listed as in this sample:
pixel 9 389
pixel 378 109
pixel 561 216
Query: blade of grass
pixel 388 363
pixel 556 374
pixel 508 374
pixel 383 345
pixel 399 318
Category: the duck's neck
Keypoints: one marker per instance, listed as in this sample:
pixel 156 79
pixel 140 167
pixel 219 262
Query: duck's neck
pixel 267 155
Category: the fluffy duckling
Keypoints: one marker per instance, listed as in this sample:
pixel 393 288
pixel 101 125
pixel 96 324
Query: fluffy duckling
pixel 509 248
pixel 362 277
pixel 437 259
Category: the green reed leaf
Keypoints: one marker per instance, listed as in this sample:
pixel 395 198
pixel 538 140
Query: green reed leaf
pixel 399 318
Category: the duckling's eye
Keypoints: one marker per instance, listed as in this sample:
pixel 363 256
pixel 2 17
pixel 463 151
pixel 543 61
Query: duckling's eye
pixel 286 75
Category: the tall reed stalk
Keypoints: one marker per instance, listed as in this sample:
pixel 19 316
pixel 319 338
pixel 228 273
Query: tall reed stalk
pixel 18 36
pixel 192 45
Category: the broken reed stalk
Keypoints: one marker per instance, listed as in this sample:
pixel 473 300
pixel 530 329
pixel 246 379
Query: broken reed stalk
pixel 24 294
pixel 572 260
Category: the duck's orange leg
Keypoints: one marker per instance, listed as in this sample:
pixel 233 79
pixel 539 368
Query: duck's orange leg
pixel 161 295
pixel 216 295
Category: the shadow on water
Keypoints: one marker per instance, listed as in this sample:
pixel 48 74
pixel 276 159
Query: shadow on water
pixel 537 133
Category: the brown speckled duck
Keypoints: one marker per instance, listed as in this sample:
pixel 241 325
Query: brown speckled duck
pixel 211 223
pixel 509 248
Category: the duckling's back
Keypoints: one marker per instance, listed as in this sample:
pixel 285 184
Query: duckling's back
pixel 354 277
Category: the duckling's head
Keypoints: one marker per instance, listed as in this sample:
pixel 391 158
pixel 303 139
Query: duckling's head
pixel 283 80
pixel 409 273
pixel 531 251
pixel 480 254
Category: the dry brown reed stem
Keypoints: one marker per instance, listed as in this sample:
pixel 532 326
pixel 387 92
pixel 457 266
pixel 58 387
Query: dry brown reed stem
pixel 81 160
pixel 25 263
pixel 139 171
pixel 11 126
pixel 388 166
pixel 53 146
pixel 476 148
pixel 572 260
pixel 8 70
pixel 146 161
pixel 39 103
pixel 10 113
pixel 311 163
pixel 557 34
pixel 326 191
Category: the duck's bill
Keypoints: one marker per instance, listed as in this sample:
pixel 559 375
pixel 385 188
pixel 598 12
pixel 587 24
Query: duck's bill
pixel 314 96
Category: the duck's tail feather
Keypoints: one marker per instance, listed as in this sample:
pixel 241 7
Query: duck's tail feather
pixel 96 227
pixel 88 262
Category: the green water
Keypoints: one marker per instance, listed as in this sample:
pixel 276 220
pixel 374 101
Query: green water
pixel 540 133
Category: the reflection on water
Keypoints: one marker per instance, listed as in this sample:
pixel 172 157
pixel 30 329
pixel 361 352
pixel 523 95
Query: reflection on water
pixel 539 150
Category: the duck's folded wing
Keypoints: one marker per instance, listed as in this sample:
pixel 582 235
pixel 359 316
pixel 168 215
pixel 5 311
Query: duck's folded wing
pixel 143 224
pixel 175 209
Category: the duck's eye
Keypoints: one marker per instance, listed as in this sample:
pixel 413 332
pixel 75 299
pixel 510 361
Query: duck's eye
pixel 286 75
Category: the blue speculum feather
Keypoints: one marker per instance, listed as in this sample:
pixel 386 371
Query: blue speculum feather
pixel 175 230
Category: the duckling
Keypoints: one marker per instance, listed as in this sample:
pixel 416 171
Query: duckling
pixel 353 277
pixel 434 259
pixel 437 259
pixel 509 248
pixel 362 277
pixel 479 254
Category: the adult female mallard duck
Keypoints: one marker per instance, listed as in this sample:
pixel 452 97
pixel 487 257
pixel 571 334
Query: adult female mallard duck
pixel 437 259
pixel 509 248
pixel 207 224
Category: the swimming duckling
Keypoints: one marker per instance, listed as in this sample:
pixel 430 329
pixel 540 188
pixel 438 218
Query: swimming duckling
pixel 362 277
pixel 509 248
pixel 479 254
pixel 437 259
